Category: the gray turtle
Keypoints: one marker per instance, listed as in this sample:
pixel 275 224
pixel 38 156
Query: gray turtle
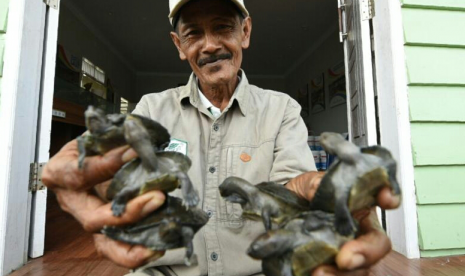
pixel 268 200
pixel 152 170
pixel 106 132
pixel 304 243
pixel 171 226
pixel 353 182
pixel 135 179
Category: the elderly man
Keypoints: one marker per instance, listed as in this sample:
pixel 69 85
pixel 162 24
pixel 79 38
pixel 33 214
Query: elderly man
pixel 227 127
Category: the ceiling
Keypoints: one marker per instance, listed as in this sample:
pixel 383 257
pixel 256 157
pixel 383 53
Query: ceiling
pixel 283 32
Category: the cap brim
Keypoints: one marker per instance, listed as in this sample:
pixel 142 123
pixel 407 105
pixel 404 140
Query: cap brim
pixel 175 10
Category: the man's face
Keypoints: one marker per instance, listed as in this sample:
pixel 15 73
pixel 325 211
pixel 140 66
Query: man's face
pixel 210 36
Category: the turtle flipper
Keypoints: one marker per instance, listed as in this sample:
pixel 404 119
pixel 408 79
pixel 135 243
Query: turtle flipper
pixel 344 223
pixel 266 217
pixel 189 194
pixel 187 236
pixel 118 205
pixel 392 172
pixel 138 138
pixel 277 266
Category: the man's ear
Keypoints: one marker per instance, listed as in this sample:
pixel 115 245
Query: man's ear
pixel 177 43
pixel 246 32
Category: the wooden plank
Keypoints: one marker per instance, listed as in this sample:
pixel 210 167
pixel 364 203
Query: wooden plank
pixel 440 184
pixel 443 253
pixel 435 66
pixel 437 104
pixel 436 4
pixel 438 143
pixel 441 226
pixel 434 27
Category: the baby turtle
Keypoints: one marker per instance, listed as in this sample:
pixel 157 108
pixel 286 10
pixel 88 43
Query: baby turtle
pixel 134 179
pixel 304 243
pixel 107 132
pixel 152 170
pixel 268 200
pixel 171 226
pixel 353 182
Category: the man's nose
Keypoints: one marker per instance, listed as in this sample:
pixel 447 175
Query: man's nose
pixel 211 43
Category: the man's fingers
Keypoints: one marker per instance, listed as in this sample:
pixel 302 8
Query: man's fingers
pixel 93 213
pixel 386 200
pixel 332 271
pixel 367 249
pixel 62 170
pixel 124 254
pixel 136 209
pixel 97 169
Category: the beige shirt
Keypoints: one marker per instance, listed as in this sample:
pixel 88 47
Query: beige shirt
pixel 260 136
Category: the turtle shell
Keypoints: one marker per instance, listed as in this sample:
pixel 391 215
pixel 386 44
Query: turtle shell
pixel 283 194
pixel 162 229
pixel 304 243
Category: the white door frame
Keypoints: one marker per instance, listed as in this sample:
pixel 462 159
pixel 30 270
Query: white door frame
pixel 39 199
pixel 394 120
pixel 19 116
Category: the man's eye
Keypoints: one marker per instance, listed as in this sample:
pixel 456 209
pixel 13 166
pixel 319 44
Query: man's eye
pixel 192 33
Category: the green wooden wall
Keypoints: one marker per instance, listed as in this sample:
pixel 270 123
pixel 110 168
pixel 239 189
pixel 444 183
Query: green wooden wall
pixel 3 21
pixel 435 58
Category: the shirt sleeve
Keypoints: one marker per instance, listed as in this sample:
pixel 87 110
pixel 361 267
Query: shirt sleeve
pixel 292 155
pixel 142 108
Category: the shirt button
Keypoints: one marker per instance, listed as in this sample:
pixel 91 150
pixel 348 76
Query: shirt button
pixel 209 214
pixel 212 169
pixel 214 256
pixel 216 127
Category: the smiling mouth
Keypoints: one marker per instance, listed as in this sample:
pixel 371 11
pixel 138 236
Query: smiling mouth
pixel 213 59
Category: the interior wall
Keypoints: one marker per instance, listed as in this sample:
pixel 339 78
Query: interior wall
pixel 77 38
pixel 329 53
pixel 150 83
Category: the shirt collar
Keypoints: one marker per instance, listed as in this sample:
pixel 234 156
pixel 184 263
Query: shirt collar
pixel 191 92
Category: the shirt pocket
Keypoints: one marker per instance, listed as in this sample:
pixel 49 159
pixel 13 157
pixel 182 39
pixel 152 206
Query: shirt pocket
pixel 253 163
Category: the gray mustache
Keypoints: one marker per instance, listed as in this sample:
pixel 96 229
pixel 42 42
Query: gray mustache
pixel 213 58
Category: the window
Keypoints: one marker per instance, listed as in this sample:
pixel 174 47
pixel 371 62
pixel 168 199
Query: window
pixel 93 79
pixel 124 106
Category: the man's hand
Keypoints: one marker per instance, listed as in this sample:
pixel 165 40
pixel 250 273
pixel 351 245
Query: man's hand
pixel 74 190
pixel 356 256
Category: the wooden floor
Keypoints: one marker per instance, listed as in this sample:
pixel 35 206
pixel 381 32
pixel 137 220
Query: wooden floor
pixel 70 251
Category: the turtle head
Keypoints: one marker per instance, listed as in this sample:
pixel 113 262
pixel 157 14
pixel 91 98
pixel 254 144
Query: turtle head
pixel 96 121
pixel 335 144
pixel 272 243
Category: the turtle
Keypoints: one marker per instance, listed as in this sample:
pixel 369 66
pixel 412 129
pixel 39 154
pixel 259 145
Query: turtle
pixel 354 180
pixel 301 245
pixel 169 227
pixel 269 201
pixel 106 132
pixel 153 169
pixel 135 179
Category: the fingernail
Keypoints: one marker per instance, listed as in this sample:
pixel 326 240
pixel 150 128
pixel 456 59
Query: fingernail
pixel 357 261
pixel 152 205
pixel 128 155
pixel 155 255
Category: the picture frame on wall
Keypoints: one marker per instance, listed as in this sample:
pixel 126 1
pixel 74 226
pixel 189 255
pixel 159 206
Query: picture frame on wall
pixel 317 86
pixel 303 100
pixel 337 84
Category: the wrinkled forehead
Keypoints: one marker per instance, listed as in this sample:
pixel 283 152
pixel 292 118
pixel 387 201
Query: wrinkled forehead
pixel 201 10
